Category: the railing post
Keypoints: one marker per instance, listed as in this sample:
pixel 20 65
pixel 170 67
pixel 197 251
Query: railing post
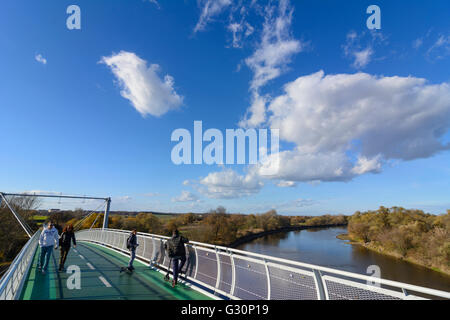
pixel 233 275
pixel 154 250
pixel 320 289
pixel 196 261
pixel 143 251
pixel 218 269
pixel 268 279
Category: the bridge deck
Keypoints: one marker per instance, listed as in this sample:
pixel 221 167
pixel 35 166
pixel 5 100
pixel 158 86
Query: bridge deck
pixel 101 279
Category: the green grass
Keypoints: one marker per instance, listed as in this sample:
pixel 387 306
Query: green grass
pixel 165 216
pixel 39 219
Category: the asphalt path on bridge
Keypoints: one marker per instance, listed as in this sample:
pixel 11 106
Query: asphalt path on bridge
pixel 101 279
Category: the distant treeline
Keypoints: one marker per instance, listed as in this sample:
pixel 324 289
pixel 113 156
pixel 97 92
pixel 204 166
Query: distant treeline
pixel 411 234
pixel 215 227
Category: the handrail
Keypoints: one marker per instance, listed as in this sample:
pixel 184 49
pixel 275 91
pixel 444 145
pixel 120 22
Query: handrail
pixel 12 282
pixel 325 278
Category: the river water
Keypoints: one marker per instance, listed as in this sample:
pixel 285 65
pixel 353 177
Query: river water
pixel 320 246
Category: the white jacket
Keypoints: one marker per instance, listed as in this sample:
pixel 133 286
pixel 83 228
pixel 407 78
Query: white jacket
pixel 49 237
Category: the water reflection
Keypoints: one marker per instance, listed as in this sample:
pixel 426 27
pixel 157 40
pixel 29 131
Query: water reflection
pixel 320 246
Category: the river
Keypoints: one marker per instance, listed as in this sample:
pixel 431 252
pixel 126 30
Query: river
pixel 320 246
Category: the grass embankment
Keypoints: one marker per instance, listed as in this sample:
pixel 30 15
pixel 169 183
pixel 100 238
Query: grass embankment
pixel 410 235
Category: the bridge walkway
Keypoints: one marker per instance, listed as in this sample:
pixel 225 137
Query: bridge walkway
pixel 101 279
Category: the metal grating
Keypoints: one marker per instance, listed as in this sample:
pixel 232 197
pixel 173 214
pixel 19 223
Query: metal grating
pixel 191 262
pixel 251 280
pixel 160 252
pixel 207 267
pixel 140 248
pixel 339 291
pixel 290 285
pixel 148 251
pixel 226 273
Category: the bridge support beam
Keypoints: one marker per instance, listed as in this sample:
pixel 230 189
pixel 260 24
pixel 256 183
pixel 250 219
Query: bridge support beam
pixel 22 223
pixel 105 217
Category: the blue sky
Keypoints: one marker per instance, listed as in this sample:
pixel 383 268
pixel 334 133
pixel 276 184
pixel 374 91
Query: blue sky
pixel 364 115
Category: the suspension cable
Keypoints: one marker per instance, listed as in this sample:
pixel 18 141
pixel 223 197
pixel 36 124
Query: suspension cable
pixel 89 214
pixel 22 223
pixel 93 223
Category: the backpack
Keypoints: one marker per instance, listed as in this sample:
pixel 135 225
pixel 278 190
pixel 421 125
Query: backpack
pixel 128 242
pixel 175 247
pixel 171 250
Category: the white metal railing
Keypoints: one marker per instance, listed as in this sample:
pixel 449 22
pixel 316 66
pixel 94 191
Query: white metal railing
pixel 12 281
pixel 238 274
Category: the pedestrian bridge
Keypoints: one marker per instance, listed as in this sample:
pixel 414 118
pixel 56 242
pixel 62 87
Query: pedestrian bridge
pixel 212 272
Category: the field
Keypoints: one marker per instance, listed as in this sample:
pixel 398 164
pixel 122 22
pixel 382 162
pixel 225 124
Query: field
pixel 39 219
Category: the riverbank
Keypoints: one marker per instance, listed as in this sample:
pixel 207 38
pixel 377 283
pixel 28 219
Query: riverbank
pixel 380 250
pixel 252 236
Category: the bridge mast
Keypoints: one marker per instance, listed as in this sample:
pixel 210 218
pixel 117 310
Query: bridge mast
pixel 105 217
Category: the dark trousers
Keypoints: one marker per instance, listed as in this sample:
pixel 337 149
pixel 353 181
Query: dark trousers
pixel 63 256
pixel 132 257
pixel 177 267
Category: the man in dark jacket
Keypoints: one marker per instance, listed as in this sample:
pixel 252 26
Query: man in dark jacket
pixel 177 252
pixel 132 245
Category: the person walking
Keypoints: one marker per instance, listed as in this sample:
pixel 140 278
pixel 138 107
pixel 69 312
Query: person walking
pixel 131 245
pixel 48 239
pixel 66 237
pixel 177 252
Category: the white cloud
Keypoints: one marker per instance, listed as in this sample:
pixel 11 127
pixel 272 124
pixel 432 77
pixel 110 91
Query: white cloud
pixel 330 118
pixel 209 9
pixel 40 58
pixel 142 86
pixel 364 165
pixel 362 58
pixel 271 57
pixel 122 199
pixel 154 2
pixel 417 43
pixel 256 113
pixel 301 166
pixel 286 184
pixel 239 31
pixel 297 203
pixel 440 48
pixel 228 184
pixel 273 53
pixel 152 194
pixel 343 126
pixel 185 196
pixel 361 54
pixel 276 48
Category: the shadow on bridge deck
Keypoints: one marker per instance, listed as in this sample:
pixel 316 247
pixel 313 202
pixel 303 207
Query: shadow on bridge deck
pixel 101 279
